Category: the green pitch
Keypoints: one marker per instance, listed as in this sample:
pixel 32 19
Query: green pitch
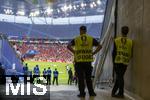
pixel 61 67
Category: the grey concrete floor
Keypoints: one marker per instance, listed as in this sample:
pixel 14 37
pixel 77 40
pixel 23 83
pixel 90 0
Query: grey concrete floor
pixel 70 93
pixel 63 92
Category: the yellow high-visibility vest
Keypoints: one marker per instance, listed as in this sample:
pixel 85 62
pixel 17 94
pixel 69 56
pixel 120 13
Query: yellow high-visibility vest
pixel 124 50
pixel 83 48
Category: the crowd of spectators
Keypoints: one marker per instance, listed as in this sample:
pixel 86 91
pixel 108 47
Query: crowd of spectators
pixel 52 52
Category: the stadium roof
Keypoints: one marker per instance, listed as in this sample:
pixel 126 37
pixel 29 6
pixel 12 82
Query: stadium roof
pixel 37 18
pixel 52 8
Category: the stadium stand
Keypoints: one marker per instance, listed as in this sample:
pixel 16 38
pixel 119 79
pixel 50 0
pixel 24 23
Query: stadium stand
pixel 52 52
pixel 48 31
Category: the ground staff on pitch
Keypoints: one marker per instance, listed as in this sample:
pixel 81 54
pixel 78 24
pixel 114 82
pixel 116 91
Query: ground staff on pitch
pixel 82 48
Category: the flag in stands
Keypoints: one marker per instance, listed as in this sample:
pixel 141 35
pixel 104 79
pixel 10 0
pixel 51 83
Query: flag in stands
pixel 20 42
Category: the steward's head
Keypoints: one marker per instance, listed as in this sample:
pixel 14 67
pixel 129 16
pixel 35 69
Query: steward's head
pixel 124 30
pixel 83 30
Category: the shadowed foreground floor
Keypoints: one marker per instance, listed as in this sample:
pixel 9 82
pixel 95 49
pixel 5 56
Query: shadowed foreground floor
pixel 63 92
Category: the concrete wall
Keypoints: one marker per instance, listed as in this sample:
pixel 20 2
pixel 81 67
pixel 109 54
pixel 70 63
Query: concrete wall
pixel 136 14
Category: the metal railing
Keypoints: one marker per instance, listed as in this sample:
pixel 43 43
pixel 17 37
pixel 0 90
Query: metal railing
pixel 106 40
pixel 9 55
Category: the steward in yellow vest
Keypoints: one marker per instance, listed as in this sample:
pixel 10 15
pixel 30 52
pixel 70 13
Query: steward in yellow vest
pixel 82 48
pixel 123 50
pixel 121 57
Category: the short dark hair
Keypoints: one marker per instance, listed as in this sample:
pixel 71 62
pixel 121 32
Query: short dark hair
pixel 83 27
pixel 125 30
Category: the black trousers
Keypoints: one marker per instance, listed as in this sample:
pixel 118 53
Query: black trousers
pixel 45 76
pixel 120 70
pixel 55 78
pixel 48 79
pixel 70 80
pixel 84 71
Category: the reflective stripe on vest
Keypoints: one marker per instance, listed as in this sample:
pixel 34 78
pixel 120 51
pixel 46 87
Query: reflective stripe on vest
pixel 83 48
pixel 123 50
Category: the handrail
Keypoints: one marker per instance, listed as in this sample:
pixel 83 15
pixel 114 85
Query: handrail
pixel 107 17
pixel 14 50
pixel 107 34
pixel 100 64
pixel 7 60
pixel 108 25
pixel 5 38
